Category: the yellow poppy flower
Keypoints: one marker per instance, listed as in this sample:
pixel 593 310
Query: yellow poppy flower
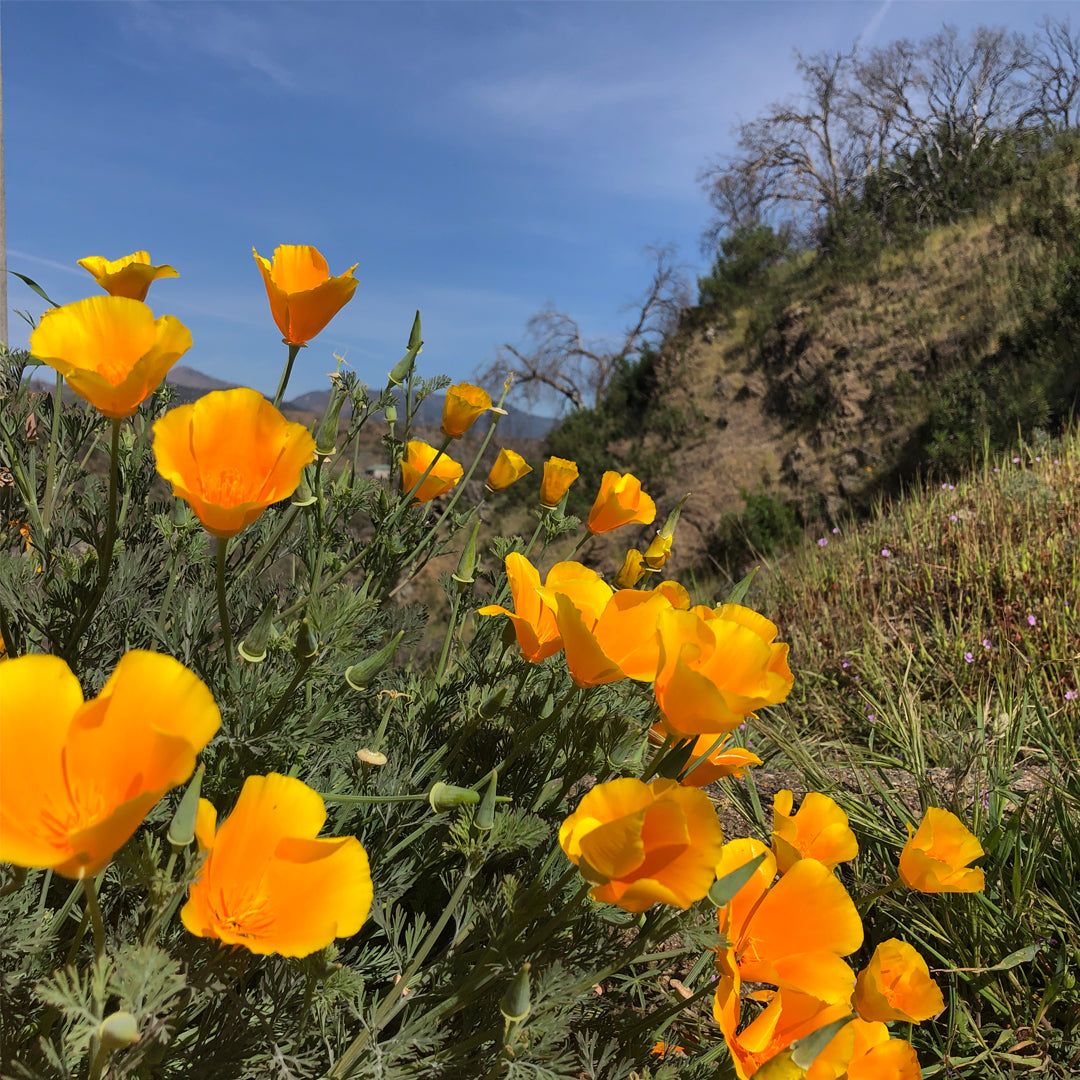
pixel 230 455
pixel 443 476
pixel 658 552
pixel 818 831
pixel 130 276
pixel 863 1050
pixel 303 296
pixel 463 406
pixel 896 985
pixel 619 502
pixel 717 667
pixel 508 469
pixel 935 858
pixel 559 474
pixel 78 777
pixel 723 761
pixel 268 884
pixel 110 349
pixel 631 571
pixel 644 844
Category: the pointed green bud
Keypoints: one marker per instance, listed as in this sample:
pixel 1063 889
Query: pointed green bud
pixel 726 887
pixel 676 759
pixel 253 647
pixel 467 563
pixel 326 437
pixel 485 815
pixel 516 1003
pixel 303 495
pixel 182 827
pixel 401 369
pixel 180 514
pixel 359 675
pixel 492 703
pixel 307 645
pixel 118 1030
pixel 807 1049
pixel 444 797
pixel 673 518
pixel 391 414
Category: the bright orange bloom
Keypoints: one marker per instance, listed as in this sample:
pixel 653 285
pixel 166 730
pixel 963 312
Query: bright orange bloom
pixel 230 456
pixel 130 276
pixel 723 761
pixel 717 667
pixel 444 475
pixel 935 858
pixel 631 571
pixel 896 985
pixel 862 1050
pixel 559 474
pixel 303 296
pixel 463 406
pixel 644 844
pixel 619 502
pixel 268 884
pixel 508 469
pixel 658 552
pixel 534 622
pixel 110 349
pixel 818 831
pixel 792 936
pixel 77 778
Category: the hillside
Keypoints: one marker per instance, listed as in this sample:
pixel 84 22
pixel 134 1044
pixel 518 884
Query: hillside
pixel 841 380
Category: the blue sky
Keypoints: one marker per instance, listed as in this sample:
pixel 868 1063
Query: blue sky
pixel 478 160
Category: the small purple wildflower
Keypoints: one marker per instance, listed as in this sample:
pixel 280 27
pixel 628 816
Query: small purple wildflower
pixel 986 643
pixel 996 469
pixel 1071 695
pixel 1016 461
pixel 885 553
pixel 823 541
pixel 845 663
pixel 1038 459
pixel 836 531
pixel 1056 462
pixel 953 517
pixel 1031 620
pixel 871 717
pixel 969 658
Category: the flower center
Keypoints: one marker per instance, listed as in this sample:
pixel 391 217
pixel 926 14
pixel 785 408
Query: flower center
pixel 230 487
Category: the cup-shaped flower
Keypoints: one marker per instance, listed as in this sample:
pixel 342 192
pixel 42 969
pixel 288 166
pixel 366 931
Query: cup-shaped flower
pixel 77 777
pixel 631 571
pixel 717 667
pixel 230 455
pixel 936 856
pixel 723 760
pixel 644 844
pixel 463 405
pixel 111 350
pixel 896 985
pixel 268 884
pixel 619 502
pixel 445 472
pixel 818 831
pixel 863 1050
pixel 508 469
pixel 559 474
pixel 534 620
pixel 303 296
pixel 130 276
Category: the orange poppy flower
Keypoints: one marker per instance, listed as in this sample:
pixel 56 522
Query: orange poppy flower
pixel 717 667
pixel 619 502
pixel 77 777
pixel 110 349
pixel 508 469
pixel 534 620
pixel 863 1050
pixel 935 858
pixel 644 844
pixel 896 985
pixel 463 406
pixel 444 474
pixel 303 296
pixel 723 761
pixel 230 456
pixel 631 571
pixel 268 884
pixel 818 831
pixel 559 474
pixel 130 276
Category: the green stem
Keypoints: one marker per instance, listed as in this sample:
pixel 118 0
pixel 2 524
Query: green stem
pixel 272 541
pixel 704 757
pixel 105 552
pixel 98 926
pixel 50 465
pixel 444 655
pixel 293 352
pixel 222 601
pixel 865 903
pixel 301 670
pixel 669 741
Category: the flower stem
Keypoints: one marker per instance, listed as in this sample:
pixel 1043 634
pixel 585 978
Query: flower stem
pixel 293 352
pixel 92 906
pixel 445 654
pixel 105 552
pixel 223 607
pixel 50 465
pixel 865 903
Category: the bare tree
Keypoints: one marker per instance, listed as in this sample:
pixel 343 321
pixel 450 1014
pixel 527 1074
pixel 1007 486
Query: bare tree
pixel 1053 65
pixel 556 366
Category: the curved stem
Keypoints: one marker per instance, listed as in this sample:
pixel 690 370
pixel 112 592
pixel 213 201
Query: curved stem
pixel 293 352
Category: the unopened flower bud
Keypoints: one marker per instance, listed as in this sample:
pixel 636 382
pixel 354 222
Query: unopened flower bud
pixel 182 827
pixel 485 815
pixel 467 563
pixel 307 644
pixel 656 554
pixel 303 495
pixel 401 369
pixel 632 569
pixel 118 1030
pixel 30 428
pixel 444 797
pixel 492 703
pixel 253 647
pixel 326 436
pixel 516 1003
pixel 360 675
